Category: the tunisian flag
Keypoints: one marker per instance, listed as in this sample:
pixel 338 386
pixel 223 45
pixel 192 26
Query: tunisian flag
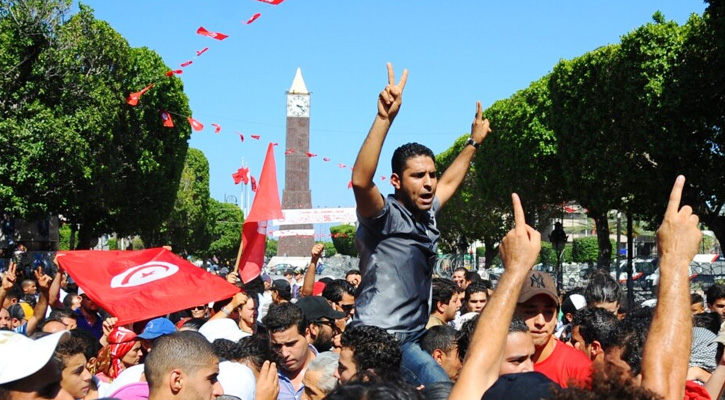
pixel 138 285
pixel 266 206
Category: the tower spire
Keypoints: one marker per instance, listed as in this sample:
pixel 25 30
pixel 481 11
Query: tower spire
pixel 298 84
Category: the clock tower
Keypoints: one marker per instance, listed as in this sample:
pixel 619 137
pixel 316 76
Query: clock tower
pixel 296 193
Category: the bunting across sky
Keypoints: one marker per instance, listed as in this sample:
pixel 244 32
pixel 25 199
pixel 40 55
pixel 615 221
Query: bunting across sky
pixel 167 116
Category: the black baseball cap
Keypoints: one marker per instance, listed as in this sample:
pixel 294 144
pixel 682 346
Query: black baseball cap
pixel 282 286
pixel 316 307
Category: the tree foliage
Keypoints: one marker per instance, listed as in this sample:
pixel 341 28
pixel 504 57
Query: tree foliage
pixel 343 237
pixel 69 143
pixel 224 230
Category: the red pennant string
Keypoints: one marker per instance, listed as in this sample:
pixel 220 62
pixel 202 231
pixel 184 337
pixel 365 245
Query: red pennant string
pixel 272 2
pixel 166 117
pixel 134 97
pixel 195 125
pixel 172 72
pixel 255 136
pixel 311 154
pixel 241 136
pixel 214 35
pixel 186 64
pixel 202 51
pixel 254 18
pixel 325 159
pixel 217 128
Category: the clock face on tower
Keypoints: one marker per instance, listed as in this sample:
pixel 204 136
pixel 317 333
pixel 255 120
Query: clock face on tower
pixel 298 105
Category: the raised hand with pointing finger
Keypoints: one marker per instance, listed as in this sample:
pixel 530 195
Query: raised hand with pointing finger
pixel 521 245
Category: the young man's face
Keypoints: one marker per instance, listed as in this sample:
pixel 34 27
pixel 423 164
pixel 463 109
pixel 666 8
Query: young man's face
pixel 30 288
pixel 290 347
pixel 76 379
pixel 578 342
pixel 346 367
pixel 133 356
pixel 519 354
pixel 202 384
pixel 5 321
pixel 718 306
pixel 450 309
pixel 42 385
pixel 88 304
pixel 417 186
pixel 697 308
pixel 539 312
pixel 477 302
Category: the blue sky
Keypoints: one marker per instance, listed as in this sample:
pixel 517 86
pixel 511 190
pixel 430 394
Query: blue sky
pixel 456 52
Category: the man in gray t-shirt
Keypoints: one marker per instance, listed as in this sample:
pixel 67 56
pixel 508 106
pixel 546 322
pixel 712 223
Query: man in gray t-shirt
pixel 397 235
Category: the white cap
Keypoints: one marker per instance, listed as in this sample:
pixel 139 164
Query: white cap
pixel 237 380
pixel 34 354
pixel 222 328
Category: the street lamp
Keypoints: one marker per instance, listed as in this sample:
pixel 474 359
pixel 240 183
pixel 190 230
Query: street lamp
pixel 558 239
pixel 231 199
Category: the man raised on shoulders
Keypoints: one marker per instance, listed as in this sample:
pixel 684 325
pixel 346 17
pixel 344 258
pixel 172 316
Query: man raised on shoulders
pixel 397 235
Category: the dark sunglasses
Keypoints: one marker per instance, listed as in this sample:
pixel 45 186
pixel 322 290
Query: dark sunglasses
pixel 347 308
pixel 198 308
pixel 329 323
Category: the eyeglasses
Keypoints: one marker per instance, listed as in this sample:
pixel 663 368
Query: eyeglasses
pixel 347 308
pixel 198 308
pixel 329 323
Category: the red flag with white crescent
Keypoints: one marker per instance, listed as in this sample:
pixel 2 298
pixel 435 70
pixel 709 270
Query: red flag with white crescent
pixel 214 35
pixel 139 285
pixel 166 117
pixel 135 96
pixel 195 125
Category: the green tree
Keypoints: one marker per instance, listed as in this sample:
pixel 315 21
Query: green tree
pixel 186 228
pixel 343 238
pixel 585 249
pixel 330 249
pixel 271 248
pixel 224 227
pixel 70 144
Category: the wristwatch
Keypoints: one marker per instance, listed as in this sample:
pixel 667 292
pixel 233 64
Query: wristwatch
pixel 473 143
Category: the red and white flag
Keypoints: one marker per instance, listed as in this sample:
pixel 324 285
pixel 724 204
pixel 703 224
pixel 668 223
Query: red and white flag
pixel 195 125
pixel 139 285
pixel 135 96
pixel 166 117
pixel 214 35
pixel 217 128
pixel 254 184
pixel 272 2
pixel 266 206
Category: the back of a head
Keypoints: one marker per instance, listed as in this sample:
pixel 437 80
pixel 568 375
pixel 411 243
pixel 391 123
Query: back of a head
pixel 188 351
pixel 373 348
pixel 714 293
pixel 596 324
pixel 442 337
pixel 464 336
pixel 602 288
pixel 375 390
pixel 402 154
pixel 334 290
pixel 473 276
pixel 631 335
pixel 282 316
pixel 254 350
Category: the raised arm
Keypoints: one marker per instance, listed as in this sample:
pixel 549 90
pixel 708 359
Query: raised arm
pixel 664 372
pixel 367 196
pixel 42 305
pixel 455 173
pixel 8 282
pixel 518 250
pixel 309 282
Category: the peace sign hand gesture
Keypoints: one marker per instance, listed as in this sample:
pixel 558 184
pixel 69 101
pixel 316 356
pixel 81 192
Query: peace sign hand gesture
pixel 391 97
pixel 10 277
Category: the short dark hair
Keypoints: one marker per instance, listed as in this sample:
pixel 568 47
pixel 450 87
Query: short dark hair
pixel 464 269
pixel 518 325
pixel 255 349
pixel 90 343
pixel 336 289
pixel 715 292
pixel 68 300
pixel 402 154
pixel 225 349
pixel 187 350
pixel 710 321
pixel 69 348
pixel 473 276
pixel 596 324
pixel 353 272
pixel 282 316
pixel 441 337
pixel 373 349
pixel 443 291
pixel 59 314
pixel 194 323
pixel 465 334
pixel 475 287
pixel 631 335
pixel 602 288
pixel 696 298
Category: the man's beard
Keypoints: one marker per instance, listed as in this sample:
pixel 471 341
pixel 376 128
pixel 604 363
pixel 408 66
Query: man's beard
pixel 322 343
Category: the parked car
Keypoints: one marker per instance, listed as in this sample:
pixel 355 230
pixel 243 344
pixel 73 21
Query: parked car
pixel 641 269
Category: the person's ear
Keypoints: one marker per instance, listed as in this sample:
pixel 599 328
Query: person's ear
pixel 441 307
pixel 312 331
pixel 439 356
pixel 395 181
pixel 596 349
pixel 176 381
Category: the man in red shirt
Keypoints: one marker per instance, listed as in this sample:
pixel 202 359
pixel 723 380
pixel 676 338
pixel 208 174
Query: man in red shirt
pixel 538 305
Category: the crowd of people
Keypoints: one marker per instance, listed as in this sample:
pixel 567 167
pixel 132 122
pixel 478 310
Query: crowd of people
pixel 390 329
